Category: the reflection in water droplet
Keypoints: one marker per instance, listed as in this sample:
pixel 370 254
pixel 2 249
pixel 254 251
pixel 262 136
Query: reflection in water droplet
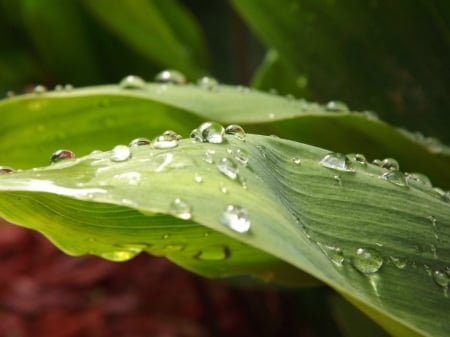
pixel 139 142
pixel 120 153
pixel 211 132
pixel 214 253
pixel 296 160
pixel 441 278
pixel 235 218
pixel 6 170
pixel 337 161
pixel 367 260
pixel 181 209
pixel 227 167
pixel 236 131
pixel 132 82
pixel 390 164
pixel 208 83
pixel 335 254
pixel 399 262
pixel 395 177
pixel 336 106
pixel 170 76
pixel 60 155
pixel 169 139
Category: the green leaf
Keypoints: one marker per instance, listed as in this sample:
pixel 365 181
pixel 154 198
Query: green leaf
pixel 349 227
pixel 162 31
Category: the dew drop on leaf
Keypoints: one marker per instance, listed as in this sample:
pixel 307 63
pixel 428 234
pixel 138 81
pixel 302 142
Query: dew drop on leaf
pixel 167 140
pixel 214 253
pixel 235 218
pixel 211 132
pixel 441 278
pixel 170 76
pixel 6 170
pixel 235 130
pixel 398 262
pixel 335 254
pixel 241 156
pixel 132 82
pixel 208 83
pixel 390 164
pixel 296 160
pixel 360 158
pixel 120 153
pixel 367 260
pixel 119 255
pixel 60 155
pixel 181 209
pixel 139 142
pixel 228 168
pixel 198 178
pixel 39 89
pixel 337 161
pixel 336 106
pixel 395 177
pixel 208 156
pixel 418 179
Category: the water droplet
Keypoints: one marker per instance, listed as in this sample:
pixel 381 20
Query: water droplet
pixel 241 156
pixel 359 158
pixel 61 155
pixel 208 83
pixel 370 115
pixel 196 136
pixel 59 87
pixel 338 179
pixel 377 162
pixel 296 160
pixel 170 76
pixel 441 278
pixel 120 153
pixel 211 132
pixel 166 236
pixel 390 164
pixel 208 156
pixel 399 262
pixel 335 254
pixel 10 93
pixel 336 106
pixel 367 260
pixel 6 170
pixel 198 178
pixel 214 253
pixel 433 220
pixel 169 139
pixel 236 218
pixel 228 167
pixel 271 115
pixel 337 161
pixel 235 130
pixel 174 248
pixel 132 82
pixel 181 209
pixel 39 89
pixel 119 255
pixel 139 142
pixel 68 87
pixel 395 177
pixel 223 188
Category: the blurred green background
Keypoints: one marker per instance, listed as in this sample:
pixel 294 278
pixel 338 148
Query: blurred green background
pixel 391 57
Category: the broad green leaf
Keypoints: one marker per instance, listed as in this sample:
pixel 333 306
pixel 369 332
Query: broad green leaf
pixel 162 31
pixel 362 53
pixel 378 239
pixel 74 119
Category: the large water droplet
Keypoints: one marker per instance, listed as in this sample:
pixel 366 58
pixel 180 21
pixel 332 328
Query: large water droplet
pixel 367 260
pixel 441 278
pixel 390 164
pixel 228 167
pixel 168 139
pixel 211 132
pixel 120 153
pixel 236 131
pixel 336 106
pixel 132 82
pixel 181 209
pixel 214 253
pixel 170 76
pixel 337 161
pixel 395 177
pixel 139 142
pixel 6 170
pixel 208 83
pixel 61 155
pixel 335 254
pixel 235 218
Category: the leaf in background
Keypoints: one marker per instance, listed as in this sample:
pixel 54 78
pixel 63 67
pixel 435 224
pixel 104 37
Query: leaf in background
pixel 357 227
pixel 362 52
pixel 162 31
pixel 74 119
pixel 57 32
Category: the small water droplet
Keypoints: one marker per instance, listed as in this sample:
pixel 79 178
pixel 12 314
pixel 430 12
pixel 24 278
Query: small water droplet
pixel 208 83
pixel 418 179
pixel 390 164
pixel 395 177
pixel 399 262
pixel 338 179
pixel 296 160
pixel 39 89
pixel 433 220
pixel 228 168
pixel 59 87
pixel 60 155
pixel 167 140
pixel 166 236
pixel 120 153
pixel 223 188
pixel 170 76
pixel 441 278
pixel 235 218
pixel 214 253
pixel 241 156
pixel 6 170
pixel 337 161
pixel 198 178
pixel 181 209
pixel 235 130
pixel 271 115
pixel 377 162
pixel 370 115
pixel 68 87
pixel 139 142
pixel 335 254
pixel 119 255
pixel 367 260
pixel 336 106
pixel 211 132
pixel 196 136
pixel 132 82
pixel 359 158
